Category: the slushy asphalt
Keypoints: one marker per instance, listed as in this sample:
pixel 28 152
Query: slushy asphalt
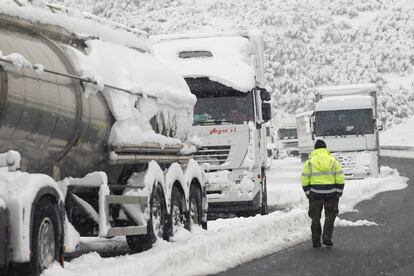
pixel 386 249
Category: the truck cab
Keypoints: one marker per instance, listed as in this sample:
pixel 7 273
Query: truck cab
pixel 225 73
pixel 345 117
pixel 287 137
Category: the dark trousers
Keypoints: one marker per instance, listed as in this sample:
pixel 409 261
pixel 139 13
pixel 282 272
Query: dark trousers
pixel 331 211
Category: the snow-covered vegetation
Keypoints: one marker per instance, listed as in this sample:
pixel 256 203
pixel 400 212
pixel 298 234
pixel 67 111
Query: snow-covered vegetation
pixel 308 43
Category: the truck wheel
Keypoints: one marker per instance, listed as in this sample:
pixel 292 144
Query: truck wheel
pixel 264 210
pixel 46 243
pixel 196 209
pixel 304 157
pixel 177 212
pixel 156 224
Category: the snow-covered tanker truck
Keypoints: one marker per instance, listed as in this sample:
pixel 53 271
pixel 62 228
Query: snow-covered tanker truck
pixel 225 71
pixel 95 136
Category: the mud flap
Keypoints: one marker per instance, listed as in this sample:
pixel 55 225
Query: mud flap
pixel 4 237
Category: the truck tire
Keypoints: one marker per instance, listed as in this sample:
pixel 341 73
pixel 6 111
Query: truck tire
pixel 304 157
pixel 156 227
pixel 46 244
pixel 264 210
pixel 196 212
pixel 178 216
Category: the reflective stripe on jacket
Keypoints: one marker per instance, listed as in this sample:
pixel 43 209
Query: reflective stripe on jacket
pixel 322 175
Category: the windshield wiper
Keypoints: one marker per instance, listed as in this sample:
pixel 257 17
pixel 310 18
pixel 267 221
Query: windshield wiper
pixel 209 122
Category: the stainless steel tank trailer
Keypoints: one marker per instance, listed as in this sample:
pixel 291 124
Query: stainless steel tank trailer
pixel 109 160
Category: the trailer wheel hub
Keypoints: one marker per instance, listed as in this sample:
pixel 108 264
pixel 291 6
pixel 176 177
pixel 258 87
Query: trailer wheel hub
pixel 157 223
pixel 194 212
pixel 46 243
pixel 176 216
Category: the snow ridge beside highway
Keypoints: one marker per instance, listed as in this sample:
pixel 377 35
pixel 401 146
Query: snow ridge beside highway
pixel 230 242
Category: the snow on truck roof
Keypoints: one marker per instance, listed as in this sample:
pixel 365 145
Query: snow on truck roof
pixel 120 59
pixel 303 114
pixel 111 47
pixel 233 59
pixel 342 97
pixel 350 89
pixel 135 71
pixel 75 23
pixel 286 122
pixel 345 103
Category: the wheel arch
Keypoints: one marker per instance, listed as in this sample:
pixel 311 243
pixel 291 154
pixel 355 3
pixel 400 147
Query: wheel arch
pixel 54 196
pixel 175 177
pixel 153 177
pixel 194 175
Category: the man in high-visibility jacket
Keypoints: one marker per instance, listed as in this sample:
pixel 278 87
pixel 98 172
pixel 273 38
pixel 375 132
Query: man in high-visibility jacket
pixel 323 182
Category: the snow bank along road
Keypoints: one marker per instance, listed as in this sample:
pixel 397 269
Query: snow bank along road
pixel 230 242
pixel 398 151
pixel 386 248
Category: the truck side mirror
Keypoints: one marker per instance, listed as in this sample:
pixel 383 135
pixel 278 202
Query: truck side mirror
pixel 266 112
pixel 380 127
pixel 265 95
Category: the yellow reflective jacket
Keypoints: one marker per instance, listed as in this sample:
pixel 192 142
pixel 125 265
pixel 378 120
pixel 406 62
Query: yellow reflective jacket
pixel 322 175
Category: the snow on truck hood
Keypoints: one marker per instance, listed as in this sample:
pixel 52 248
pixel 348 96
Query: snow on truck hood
pixel 224 59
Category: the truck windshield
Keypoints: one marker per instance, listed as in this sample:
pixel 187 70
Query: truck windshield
pixel 287 133
pixel 219 104
pixel 344 122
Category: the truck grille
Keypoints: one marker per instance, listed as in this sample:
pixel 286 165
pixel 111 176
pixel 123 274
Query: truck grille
pixel 345 161
pixel 292 144
pixel 214 155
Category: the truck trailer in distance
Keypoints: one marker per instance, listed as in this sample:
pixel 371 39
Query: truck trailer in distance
pixel 346 118
pixel 287 137
pixel 305 135
pixel 272 151
pixel 225 72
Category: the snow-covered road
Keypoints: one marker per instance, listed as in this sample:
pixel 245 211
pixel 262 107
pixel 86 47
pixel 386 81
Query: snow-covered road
pixel 229 242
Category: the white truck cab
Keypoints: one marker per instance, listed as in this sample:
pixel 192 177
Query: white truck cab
pixel 287 137
pixel 225 72
pixel 345 117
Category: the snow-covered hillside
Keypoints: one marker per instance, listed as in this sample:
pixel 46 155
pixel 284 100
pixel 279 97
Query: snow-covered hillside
pixel 308 42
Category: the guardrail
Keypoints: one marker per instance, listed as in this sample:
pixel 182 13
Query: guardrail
pixel 398 151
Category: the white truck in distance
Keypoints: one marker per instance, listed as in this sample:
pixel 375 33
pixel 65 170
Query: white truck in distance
pixel 225 72
pixel 287 137
pixel 345 117
pixel 102 128
pixel 272 151
pixel 305 137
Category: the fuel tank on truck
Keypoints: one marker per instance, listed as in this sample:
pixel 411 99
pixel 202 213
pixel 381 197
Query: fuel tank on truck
pixel 47 117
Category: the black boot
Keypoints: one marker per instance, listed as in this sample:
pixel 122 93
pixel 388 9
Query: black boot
pixel 327 243
pixel 316 244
